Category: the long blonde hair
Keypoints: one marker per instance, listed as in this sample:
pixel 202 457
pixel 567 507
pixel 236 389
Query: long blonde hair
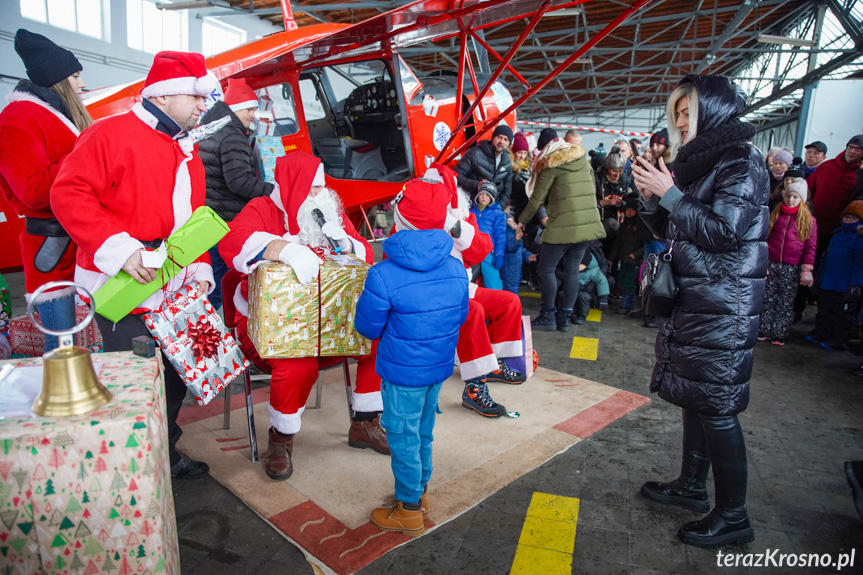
pixel 79 114
pixel 686 90
pixel 803 223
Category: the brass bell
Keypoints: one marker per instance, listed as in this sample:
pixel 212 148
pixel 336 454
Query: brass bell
pixel 69 382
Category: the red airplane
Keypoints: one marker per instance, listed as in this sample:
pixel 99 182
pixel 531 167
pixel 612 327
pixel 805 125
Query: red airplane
pixel 343 93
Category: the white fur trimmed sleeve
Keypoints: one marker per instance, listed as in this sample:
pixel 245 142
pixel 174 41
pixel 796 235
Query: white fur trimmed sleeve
pixel 468 232
pixel 114 251
pixel 254 245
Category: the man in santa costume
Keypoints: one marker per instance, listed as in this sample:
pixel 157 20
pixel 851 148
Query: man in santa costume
pixel 131 181
pixel 281 228
pixel 492 330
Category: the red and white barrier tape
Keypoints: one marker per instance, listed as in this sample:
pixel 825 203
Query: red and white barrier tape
pixel 603 130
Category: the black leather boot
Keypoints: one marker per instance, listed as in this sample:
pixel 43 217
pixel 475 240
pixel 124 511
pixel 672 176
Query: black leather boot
pixel 689 490
pixel 728 523
pixel 563 319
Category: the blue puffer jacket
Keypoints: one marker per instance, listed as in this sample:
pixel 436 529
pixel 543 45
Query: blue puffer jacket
pixel 843 264
pixel 492 221
pixel 414 302
pixel 516 255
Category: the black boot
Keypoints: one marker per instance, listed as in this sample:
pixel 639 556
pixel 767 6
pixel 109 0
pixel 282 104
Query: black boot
pixel 545 321
pixel 563 319
pixel 689 490
pixel 728 523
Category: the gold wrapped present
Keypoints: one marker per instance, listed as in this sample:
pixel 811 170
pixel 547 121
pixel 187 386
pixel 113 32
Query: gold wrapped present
pixel 288 319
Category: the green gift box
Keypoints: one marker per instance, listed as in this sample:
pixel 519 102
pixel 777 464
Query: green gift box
pixel 123 293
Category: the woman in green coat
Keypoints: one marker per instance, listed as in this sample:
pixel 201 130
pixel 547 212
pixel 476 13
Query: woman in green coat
pixel 563 182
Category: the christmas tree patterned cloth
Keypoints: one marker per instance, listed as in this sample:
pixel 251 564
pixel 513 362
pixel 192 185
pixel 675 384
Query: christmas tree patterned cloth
pixel 288 319
pixel 91 494
pixel 196 343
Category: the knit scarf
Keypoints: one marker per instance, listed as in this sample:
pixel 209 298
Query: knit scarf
pixel 789 211
pixel 698 157
pixel 47 95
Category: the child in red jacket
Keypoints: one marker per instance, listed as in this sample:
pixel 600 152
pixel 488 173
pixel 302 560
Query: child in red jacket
pixel 791 244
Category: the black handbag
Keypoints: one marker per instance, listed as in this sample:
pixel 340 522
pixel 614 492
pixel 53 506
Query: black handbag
pixel 658 286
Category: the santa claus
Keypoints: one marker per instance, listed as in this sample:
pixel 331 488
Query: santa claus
pixel 281 227
pixel 492 330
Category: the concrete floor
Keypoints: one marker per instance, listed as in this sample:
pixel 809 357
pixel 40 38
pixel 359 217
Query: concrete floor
pixel 804 421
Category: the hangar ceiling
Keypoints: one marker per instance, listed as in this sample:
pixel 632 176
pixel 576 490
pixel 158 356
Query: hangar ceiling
pixel 772 48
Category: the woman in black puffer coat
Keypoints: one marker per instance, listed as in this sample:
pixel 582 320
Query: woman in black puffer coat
pixel 715 212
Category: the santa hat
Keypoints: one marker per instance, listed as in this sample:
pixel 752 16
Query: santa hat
pixel 295 175
pixel 178 73
pixel 440 173
pixel 421 205
pixel 239 96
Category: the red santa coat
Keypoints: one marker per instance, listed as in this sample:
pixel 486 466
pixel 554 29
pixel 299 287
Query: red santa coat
pixel 263 220
pixel 35 138
pixel 124 183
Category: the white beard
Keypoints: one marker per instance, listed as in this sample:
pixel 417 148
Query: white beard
pixel 310 232
pixel 463 210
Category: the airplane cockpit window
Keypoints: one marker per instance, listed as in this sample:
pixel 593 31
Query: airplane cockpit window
pixel 361 136
pixel 276 114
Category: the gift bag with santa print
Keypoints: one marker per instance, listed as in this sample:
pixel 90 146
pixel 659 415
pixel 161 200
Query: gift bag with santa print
pixel 196 343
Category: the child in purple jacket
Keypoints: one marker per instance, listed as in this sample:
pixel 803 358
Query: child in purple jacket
pixel 791 244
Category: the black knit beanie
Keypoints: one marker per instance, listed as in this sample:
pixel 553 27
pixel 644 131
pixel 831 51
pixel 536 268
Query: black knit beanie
pixel 545 136
pixel 502 130
pixel 46 62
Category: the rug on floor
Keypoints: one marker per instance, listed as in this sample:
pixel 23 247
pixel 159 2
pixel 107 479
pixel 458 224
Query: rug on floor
pixel 324 507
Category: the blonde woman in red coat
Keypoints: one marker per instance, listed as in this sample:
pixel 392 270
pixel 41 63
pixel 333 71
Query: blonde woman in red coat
pixel 38 128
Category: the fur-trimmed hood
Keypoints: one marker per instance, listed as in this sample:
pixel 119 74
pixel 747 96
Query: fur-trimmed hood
pixel 561 157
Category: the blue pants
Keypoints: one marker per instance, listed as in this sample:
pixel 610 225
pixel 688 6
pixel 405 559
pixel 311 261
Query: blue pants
pixel 408 418
pixel 220 268
pixel 57 313
pixel 490 275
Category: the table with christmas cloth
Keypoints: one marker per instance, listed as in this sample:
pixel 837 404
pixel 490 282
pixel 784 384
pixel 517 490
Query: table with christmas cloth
pixel 91 494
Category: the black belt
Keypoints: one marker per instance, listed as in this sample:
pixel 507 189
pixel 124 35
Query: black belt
pixel 152 244
pixel 44 227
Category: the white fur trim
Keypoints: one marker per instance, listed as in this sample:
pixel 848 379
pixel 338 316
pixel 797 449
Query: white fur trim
pixel 181 197
pixel 287 423
pixel 114 251
pixel 53 294
pixel 507 348
pixel 186 85
pixel 433 174
pixel 25 97
pixel 276 196
pixel 319 179
pixel 471 287
pixel 359 248
pixel 243 105
pixel 144 115
pixel 240 302
pixel 463 242
pixel 253 245
pixel 367 401
pixel 477 367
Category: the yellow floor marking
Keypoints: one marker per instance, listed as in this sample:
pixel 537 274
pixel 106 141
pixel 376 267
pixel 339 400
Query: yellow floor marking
pixel 584 348
pixel 548 536
pixel 530 294
pixel 594 315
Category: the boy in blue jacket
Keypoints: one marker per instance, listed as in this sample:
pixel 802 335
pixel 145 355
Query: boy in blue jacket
pixel 516 255
pixel 840 289
pixel 415 301
pixel 491 220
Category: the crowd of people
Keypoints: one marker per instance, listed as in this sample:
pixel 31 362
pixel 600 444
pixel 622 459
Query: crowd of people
pixel 753 238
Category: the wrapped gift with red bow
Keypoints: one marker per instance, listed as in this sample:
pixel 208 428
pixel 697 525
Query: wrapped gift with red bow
pixel 197 344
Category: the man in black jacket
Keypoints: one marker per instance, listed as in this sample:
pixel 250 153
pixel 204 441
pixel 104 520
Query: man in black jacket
pixel 231 165
pixel 488 160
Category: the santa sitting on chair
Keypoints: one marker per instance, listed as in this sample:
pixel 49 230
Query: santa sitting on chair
pixel 281 227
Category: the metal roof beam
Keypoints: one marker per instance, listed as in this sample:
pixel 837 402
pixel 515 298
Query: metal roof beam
pixel 851 26
pixel 745 8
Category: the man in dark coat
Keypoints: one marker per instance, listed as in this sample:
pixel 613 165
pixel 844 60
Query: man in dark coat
pixel 714 212
pixel 230 165
pixel 488 160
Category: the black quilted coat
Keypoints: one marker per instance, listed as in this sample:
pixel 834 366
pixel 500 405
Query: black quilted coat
pixel 230 165
pixel 478 164
pixel 704 351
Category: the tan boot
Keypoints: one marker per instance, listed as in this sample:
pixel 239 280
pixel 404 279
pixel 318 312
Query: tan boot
pixel 278 459
pixel 424 501
pixel 397 518
pixel 365 434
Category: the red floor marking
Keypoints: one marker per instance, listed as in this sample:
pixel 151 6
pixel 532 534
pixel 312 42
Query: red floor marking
pixel 343 550
pixel 235 447
pixel 569 385
pixel 598 416
pixel 226 439
pixel 193 413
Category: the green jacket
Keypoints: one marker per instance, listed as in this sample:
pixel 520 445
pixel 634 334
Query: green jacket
pixel 565 185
